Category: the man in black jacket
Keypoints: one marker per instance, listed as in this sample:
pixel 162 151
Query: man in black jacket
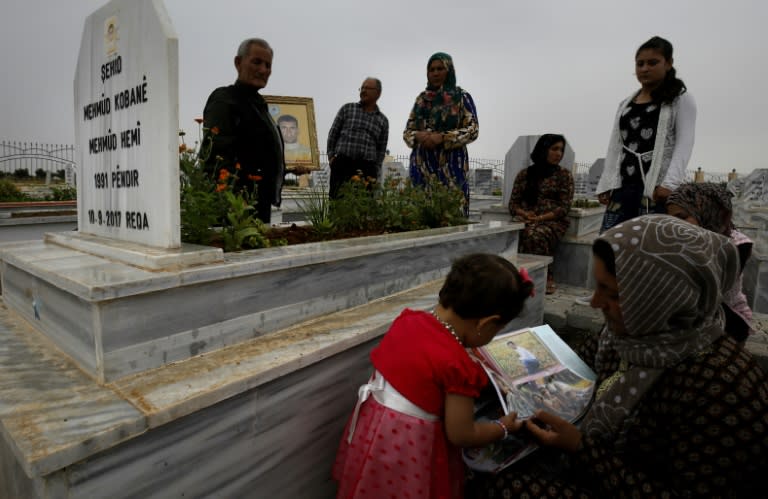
pixel 243 135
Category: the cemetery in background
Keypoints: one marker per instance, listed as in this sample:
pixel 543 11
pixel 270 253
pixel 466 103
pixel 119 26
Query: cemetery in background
pixel 486 176
pixel 37 159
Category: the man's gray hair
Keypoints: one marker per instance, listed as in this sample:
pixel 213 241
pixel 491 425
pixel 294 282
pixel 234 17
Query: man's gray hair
pixel 245 46
pixel 378 82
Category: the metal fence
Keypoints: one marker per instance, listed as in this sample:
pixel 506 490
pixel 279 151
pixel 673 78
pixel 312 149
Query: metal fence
pixel 35 156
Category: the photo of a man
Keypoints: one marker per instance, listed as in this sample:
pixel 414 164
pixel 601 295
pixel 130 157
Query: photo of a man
pixel 289 129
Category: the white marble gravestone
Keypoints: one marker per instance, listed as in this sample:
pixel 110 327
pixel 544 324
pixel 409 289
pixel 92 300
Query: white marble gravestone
pixel 752 188
pixel 394 169
pixel 126 125
pixel 519 157
pixel 483 181
pixel 595 172
pixel 321 179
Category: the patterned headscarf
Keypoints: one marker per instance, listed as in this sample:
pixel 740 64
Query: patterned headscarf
pixel 671 277
pixel 710 204
pixel 440 108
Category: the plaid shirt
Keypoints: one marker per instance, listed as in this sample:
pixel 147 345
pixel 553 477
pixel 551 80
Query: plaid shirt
pixel 358 134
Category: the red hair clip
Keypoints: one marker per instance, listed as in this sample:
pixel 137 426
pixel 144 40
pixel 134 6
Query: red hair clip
pixel 525 277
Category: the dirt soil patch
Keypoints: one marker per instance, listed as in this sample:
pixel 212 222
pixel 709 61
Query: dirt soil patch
pixel 296 234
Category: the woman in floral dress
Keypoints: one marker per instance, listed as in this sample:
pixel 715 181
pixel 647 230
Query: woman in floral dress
pixel 541 198
pixel 443 121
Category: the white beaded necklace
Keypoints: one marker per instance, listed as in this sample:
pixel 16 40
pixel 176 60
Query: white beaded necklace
pixel 447 326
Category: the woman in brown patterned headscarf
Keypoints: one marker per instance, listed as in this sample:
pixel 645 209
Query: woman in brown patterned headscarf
pixel 708 205
pixel 681 409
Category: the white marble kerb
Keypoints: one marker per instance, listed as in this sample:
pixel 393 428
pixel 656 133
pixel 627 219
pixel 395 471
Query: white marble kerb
pixel 116 319
pixel 57 418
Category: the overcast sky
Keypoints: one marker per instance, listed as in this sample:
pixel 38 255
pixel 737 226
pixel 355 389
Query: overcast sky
pixel 532 67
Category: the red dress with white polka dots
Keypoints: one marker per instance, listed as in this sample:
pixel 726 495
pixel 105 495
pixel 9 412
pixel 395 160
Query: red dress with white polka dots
pixel 396 455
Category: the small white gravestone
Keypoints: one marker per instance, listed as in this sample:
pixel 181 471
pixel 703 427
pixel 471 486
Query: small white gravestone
pixel 321 178
pixel 519 157
pixel 483 180
pixel 393 169
pixel 751 189
pixel 595 172
pixel 126 125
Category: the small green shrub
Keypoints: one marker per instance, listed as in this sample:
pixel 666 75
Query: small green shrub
pixel 317 208
pixel 211 212
pixel 585 203
pixel 21 173
pixel 364 204
pixel 9 192
pixel 65 193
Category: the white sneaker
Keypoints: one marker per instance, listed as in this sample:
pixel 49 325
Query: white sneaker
pixel 583 300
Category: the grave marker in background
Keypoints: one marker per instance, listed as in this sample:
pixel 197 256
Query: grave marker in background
pixel 519 157
pixel 126 125
pixel 483 180
pixel 595 172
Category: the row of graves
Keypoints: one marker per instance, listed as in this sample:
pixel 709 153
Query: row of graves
pixel 132 365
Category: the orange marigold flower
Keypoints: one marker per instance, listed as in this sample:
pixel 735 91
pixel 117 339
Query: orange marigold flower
pixel 198 120
pixel 255 178
pixel 237 166
pixel 355 178
pixel 215 130
pixel 221 187
pixel 223 174
pixel 182 147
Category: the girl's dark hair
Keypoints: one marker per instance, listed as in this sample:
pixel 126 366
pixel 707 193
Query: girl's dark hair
pixel 604 252
pixel 481 284
pixel 672 86
pixel 540 150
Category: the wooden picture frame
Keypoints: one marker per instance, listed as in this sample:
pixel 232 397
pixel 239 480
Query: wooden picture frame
pixel 295 117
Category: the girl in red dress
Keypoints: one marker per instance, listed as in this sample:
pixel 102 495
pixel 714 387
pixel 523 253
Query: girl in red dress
pixel 404 437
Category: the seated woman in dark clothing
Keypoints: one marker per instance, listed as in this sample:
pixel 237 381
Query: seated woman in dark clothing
pixel 541 197
pixel 681 410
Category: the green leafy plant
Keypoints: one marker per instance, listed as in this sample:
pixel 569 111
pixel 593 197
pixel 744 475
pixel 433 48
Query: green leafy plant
pixel 201 207
pixel 10 192
pixel 212 212
pixel 396 206
pixel 242 229
pixel 355 207
pixel 317 208
pixel 64 193
pixel 21 173
pixel 585 203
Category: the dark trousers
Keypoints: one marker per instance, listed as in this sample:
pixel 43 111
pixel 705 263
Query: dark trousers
pixel 262 205
pixel 263 209
pixel 344 168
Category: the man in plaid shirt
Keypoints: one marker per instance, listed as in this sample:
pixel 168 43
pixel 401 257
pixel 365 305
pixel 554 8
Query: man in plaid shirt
pixel 357 141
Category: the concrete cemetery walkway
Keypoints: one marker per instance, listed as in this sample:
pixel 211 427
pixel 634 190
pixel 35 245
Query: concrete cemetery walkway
pixel 572 320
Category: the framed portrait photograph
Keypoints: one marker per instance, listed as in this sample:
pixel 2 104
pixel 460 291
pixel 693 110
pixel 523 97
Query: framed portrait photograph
pixel 295 117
